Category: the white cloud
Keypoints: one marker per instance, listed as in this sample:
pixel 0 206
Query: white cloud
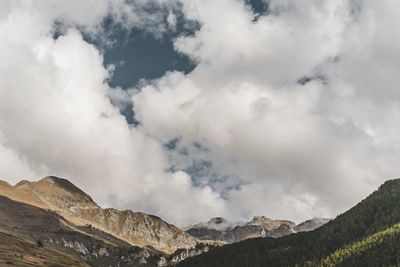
pixel 56 118
pixel 278 148
pixel 300 151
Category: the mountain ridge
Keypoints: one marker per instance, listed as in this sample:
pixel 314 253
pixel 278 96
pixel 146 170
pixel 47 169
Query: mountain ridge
pixel 219 229
pixel 55 236
pixel 65 198
pixel 56 214
pixel 379 211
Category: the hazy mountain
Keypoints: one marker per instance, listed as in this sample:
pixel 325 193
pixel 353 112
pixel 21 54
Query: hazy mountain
pixel 215 229
pixel 217 223
pixel 222 230
pixel 310 225
pixel 366 235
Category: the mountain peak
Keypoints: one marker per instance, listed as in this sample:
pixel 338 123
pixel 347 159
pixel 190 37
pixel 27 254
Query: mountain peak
pixel 4 183
pixel 62 183
pixel 390 185
pixel 311 224
pixel 366 234
pixel 21 183
pixel 52 178
pixel 260 218
pixel 217 220
pixel 58 193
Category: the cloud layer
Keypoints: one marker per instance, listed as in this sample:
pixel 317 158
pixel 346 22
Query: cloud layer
pixel 291 114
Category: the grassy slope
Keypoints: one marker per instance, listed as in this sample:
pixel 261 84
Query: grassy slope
pixel 15 251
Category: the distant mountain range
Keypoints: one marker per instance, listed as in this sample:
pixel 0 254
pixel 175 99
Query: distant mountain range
pixel 219 229
pixel 52 222
pixel 366 235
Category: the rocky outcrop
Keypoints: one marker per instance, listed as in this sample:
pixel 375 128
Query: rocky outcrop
pixel 138 228
pixel 182 254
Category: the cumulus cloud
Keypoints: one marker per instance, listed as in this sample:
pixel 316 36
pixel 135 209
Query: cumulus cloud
pixel 291 114
pixel 57 118
pixel 296 149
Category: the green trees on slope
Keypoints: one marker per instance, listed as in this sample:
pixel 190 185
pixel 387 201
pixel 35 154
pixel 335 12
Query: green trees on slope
pixel 362 229
pixel 357 248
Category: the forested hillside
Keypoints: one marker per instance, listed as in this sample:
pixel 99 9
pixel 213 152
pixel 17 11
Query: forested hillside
pixel 366 235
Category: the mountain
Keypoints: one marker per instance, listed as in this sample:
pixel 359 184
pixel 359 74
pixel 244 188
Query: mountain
pixel 366 235
pixel 217 223
pixel 222 230
pixel 215 229
pixel 52 222
pixel 310 225
pixel 32 236
pixel 136 228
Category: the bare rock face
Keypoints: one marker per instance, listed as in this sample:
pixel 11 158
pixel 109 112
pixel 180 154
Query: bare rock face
pixel 139 228
pixel 182 254
pixel 136 228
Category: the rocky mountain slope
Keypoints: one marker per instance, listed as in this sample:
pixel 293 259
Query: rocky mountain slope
pixel 52 222
pixel 136 228
pixel 366 235
pixel 260 226
pixel 32 236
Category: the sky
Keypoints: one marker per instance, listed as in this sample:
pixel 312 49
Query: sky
pixel 192 109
